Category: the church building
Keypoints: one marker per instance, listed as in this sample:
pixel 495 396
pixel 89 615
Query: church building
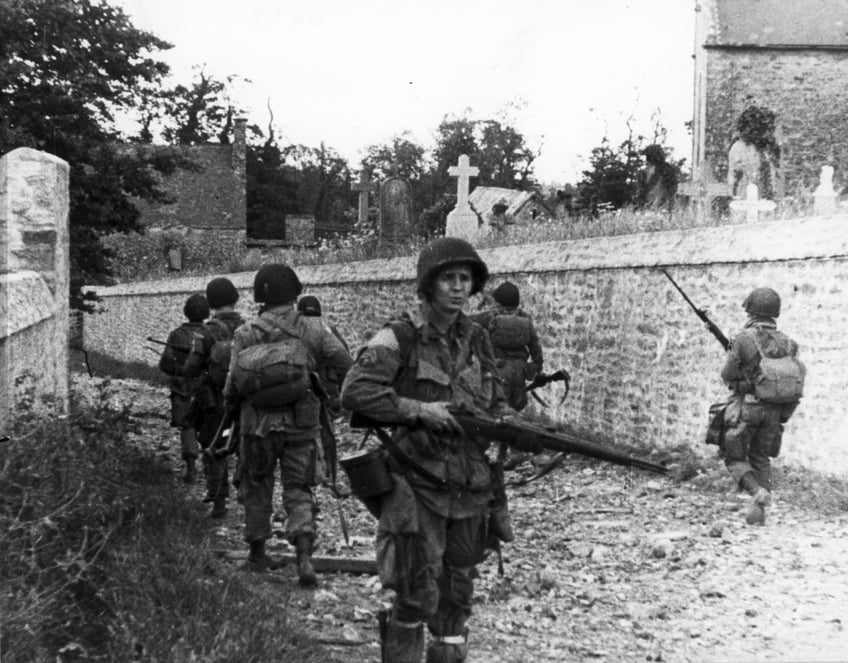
pixel 789 56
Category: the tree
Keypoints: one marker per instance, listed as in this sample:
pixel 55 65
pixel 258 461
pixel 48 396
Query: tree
pixel 322 180
pixel 70 66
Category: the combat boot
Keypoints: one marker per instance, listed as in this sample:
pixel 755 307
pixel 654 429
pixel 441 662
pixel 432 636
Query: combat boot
pixel 306 575
pixel 219 508
pixel 403 642
pixel 190 471
pixel 448 648
pixel 256 560
pixel 757 510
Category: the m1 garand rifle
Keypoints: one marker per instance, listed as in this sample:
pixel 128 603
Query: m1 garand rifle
pixel 479 424
pixel 701 313
pixel 182 348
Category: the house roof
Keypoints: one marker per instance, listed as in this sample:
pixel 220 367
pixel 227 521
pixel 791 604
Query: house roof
pixel 482 198
pixel 778 23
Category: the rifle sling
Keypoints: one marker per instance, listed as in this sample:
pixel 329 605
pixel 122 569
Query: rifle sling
pixel 407 461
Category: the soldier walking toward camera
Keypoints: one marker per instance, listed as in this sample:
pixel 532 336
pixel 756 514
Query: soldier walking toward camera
pixel 184 413
pixel 767 381
pixel 270 383
pixel 514 340
pixel 434 522
pixel 210 359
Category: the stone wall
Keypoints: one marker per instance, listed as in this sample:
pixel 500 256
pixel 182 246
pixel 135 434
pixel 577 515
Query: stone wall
pixel 643 367
pixel 33 282
pixel 807 90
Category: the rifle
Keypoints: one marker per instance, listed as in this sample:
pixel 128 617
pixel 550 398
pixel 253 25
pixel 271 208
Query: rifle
pixel 542 379
pixel 701 313
pixel 219 449
pixel 485 426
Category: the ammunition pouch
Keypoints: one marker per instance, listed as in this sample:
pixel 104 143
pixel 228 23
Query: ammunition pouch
pixel 369 477
pixel 715 426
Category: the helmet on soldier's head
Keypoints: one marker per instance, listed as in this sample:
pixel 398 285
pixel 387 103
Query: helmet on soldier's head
pixel 196 308
pixel 449 251
pixel 506 294
pixel 762 301
pixel 276 284
pixel 309 306
pixel 221 292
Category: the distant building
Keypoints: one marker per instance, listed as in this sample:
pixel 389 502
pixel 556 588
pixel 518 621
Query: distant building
pixel 790 56
pixel 521 206
pixel 211 198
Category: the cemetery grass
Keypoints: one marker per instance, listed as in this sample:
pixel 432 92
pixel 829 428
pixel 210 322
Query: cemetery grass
pixel 143 257
pixel 104 559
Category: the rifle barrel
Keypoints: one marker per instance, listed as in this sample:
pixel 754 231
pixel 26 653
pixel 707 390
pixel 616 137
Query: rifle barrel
pixel 555 441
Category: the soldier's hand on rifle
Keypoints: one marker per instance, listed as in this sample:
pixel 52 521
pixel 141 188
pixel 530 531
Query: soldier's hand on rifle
pixel 438 418
pixel 527 443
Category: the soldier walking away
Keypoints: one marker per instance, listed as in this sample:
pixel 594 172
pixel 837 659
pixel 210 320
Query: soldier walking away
pixel 767 380
pixel 270 384
pixel 209 359
pixel 331 380
pixel 184 389
pixel 514 340
pixel 434 521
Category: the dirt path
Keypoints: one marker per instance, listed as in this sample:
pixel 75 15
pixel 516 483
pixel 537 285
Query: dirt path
pixel 608 565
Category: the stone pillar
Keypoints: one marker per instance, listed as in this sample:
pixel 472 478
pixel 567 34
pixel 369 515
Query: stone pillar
pixel 34 279
pixel 239 165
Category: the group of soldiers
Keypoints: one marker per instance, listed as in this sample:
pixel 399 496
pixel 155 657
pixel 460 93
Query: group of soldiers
pixel 442 508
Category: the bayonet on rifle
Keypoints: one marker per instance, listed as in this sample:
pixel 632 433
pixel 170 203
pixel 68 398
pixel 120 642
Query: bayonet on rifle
pixel 701 313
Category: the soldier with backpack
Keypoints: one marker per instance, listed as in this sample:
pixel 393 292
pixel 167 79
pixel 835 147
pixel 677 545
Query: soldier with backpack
pixel 434 515
pixel 767 381
pixel 309 305
pixel 271 383
pixel 514 340
pixel 184 389
pixel 210 359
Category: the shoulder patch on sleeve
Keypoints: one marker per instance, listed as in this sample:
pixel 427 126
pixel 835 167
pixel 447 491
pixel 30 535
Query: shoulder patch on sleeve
pixel 384 338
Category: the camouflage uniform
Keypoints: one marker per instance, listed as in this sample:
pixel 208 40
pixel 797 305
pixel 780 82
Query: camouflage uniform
pixel 287 435
pixel 211 401
pixel 513 367
pixel 753 428
pixel 429 539
pixel 183 389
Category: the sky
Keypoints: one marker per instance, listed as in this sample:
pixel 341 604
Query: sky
pixel 354 73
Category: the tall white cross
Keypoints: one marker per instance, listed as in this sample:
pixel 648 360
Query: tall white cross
pixel 752 205
pixel 463 171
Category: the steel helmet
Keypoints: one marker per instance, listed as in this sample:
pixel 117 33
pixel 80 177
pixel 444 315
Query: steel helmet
pixel 762 301
pixel 220 291
pixel 449 251
pixel 276 284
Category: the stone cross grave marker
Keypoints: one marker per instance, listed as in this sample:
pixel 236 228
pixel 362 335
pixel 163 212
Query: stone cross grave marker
pixel 824 197
pixel 752 205
pixel 462 220
pixel 702 191
pixel 364 186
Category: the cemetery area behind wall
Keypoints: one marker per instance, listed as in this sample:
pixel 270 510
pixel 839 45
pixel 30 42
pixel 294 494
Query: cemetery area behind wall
pixel 644 370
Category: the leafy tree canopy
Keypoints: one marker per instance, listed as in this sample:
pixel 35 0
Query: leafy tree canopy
pixel 69 66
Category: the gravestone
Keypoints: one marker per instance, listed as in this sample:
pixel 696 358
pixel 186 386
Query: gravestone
pixel 752 205
pixel 300 230
pixel 462 221
pixel 746 164
pixel 364 186
pixel 395 210
pixel 824 197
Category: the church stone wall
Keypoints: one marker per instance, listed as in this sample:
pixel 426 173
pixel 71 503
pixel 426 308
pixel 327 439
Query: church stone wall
pixel 807 90
pixel 643 367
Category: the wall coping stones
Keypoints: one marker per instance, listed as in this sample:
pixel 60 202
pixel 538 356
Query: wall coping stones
pixel 26 300
pixel 795 239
